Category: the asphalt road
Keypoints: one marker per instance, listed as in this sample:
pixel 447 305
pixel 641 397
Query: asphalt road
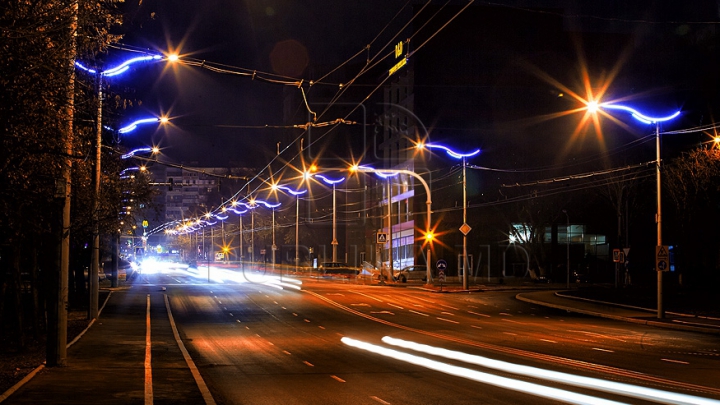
pixel 261 342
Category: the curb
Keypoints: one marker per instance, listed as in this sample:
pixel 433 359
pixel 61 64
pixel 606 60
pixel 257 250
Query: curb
pixel 666 325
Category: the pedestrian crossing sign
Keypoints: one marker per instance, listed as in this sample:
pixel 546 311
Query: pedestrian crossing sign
pixel 382 237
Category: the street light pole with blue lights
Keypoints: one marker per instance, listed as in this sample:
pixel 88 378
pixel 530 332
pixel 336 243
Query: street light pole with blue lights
pixel 429 236
pixel 464 228
pixel 93 279
pixel 332 182
pixel 645 119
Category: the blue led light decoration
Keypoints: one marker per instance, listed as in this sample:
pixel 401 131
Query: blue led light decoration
pixel 645 119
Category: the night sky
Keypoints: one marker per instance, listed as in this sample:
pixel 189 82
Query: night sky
pixel 662 54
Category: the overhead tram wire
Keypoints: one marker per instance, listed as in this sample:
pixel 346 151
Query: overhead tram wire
pixel 299 83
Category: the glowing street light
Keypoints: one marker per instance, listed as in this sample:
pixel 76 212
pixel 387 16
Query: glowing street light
pixel 429 236
pixel 646 119
pixel 297 193
pixel 133 126
pixel 465 228
pixel 332 182
pixel 154 150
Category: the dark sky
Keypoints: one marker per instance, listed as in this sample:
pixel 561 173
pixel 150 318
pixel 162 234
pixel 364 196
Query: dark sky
pixel 297 39
pixel 665 50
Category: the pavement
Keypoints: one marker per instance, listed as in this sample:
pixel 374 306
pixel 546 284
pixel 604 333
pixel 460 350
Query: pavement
pixel 107 364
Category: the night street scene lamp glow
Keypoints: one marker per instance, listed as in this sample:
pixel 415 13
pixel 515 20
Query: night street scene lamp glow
pixel 121 68
pixel 154 150
pixel 450 152
pixel 131 127
pixel 645 119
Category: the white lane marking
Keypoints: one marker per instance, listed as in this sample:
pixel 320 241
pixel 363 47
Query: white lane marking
pixel 447 313
pixel 548 340
pixel 148 356
pixel 287 352
pixel 478 314
pixel 230 314
pixel 306 320
pixel 419 313
pixel 675 361
pixel 448 306
pixel 379 400
pixel 334 377
pixel 603 350
pixel 599 335
pixel 505 313
pixel 321 327
pixel 476 327
pixel 360 305
pixel 207 396
pixel 294 314
pixel 368 296
pixel 446 320
pixel 308 363
pixel 396 306
pixel 382 312
pixel 510 333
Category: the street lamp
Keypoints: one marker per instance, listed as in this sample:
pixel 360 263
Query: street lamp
pixel 465 228
pixel 240 229
pixel 297 193
pixel 645 119
pixel 93 280
pixel 567 246
pixel 333 182
pixel 384 173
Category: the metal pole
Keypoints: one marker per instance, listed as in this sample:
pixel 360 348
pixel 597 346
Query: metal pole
pixel 465 258
pixel 273 247
pixel 567 247
pixel 297 222
pixel 390 247
pixel 240 232
pixel 252 236
pixel 334 235
pixel 660 310
pixel 95 265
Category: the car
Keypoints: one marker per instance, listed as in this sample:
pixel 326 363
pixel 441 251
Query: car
pixel 411 273
pixel 338 269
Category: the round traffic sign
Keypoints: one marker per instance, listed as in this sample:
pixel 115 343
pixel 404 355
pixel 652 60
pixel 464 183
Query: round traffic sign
pixel 441 264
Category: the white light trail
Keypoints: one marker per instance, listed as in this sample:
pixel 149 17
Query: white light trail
pixel 634 391
pixel 502 382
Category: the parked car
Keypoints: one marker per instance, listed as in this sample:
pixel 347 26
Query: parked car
pixel 411 273
pixel 338 269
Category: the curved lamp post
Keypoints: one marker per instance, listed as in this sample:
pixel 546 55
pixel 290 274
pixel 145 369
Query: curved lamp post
pixel 645 119
pixel 297 193
pixel 428 232
pixel 333 182
pixel 465 228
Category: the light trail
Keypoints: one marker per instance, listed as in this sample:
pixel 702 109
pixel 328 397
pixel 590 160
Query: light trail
pixel 634 391
pixel 485 378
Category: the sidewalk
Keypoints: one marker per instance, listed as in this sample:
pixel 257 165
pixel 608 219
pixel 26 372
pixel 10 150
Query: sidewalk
pixel 107 365
pixel 646 316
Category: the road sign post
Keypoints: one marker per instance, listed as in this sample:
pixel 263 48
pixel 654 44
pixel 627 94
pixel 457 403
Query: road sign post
pixel 662 258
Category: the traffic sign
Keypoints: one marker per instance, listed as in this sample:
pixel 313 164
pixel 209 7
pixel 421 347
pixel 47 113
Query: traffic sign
pixel 441 265
pixel 662 258
pixel 465 229
pixel 382 237
pixel 618 256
